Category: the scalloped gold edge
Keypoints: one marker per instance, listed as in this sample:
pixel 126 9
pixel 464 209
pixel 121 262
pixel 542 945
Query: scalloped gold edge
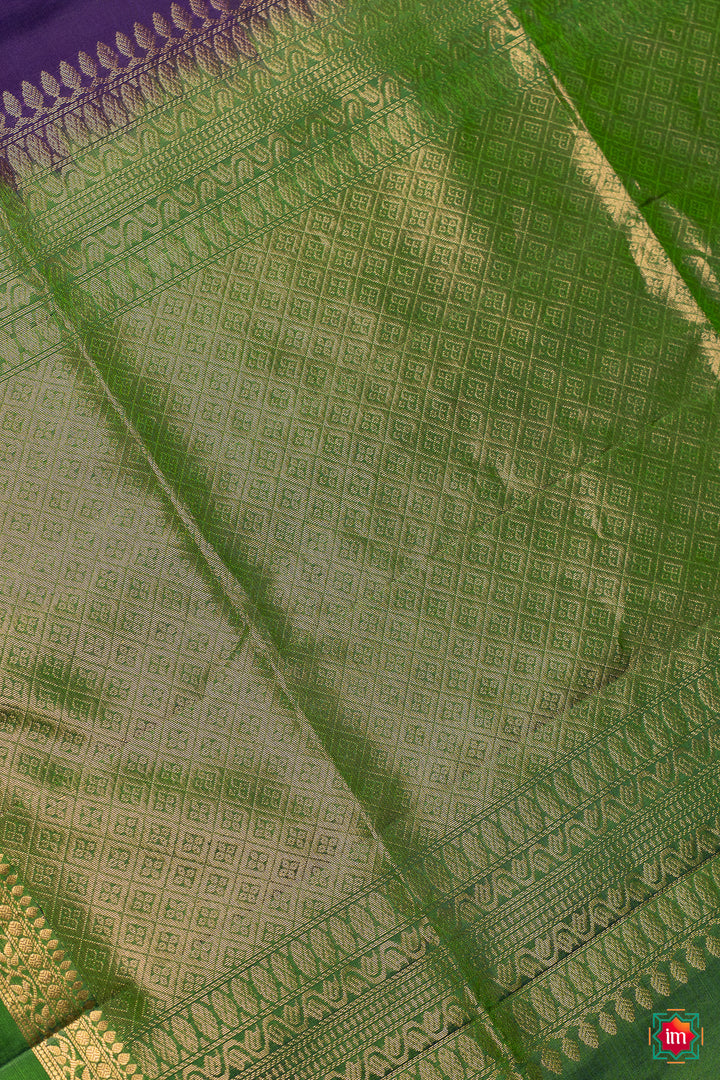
pixel 39 986
pixel 43 993
pixel 86 1047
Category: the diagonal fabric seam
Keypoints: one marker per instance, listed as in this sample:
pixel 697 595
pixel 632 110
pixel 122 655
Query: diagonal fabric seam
pixel 219 571
pixel 229 585
pixel 520 42
pixel 591 160
pixel 61 301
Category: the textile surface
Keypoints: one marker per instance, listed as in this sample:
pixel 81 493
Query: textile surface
pixel 359 561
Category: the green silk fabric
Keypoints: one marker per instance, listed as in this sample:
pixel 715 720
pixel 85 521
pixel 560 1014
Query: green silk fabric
pixel 24 1067
pixel 12 1043
pixel 359 566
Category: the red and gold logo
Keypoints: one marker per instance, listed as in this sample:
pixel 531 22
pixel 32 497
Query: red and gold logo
pixel 676 1036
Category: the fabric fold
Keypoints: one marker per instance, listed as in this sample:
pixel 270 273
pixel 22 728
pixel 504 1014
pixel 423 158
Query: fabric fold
pixel 360 550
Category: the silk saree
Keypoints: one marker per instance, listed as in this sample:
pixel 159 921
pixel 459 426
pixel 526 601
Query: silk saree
pixel 360 441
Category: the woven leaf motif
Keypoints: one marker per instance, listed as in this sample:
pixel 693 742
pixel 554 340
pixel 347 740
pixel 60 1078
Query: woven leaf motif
pixel 359 565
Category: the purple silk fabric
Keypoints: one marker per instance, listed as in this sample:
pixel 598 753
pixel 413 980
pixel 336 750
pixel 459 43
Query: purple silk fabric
pixel 35 35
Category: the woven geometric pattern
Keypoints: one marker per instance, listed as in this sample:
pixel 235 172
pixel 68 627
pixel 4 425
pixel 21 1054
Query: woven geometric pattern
pixel 359 563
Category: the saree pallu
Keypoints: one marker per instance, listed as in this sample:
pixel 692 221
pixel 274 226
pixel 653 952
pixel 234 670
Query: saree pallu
pixel 359 558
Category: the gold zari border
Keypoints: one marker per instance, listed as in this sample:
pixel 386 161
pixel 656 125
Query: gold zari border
pixel 85 1048
pixel 43 993
pixel 38 984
